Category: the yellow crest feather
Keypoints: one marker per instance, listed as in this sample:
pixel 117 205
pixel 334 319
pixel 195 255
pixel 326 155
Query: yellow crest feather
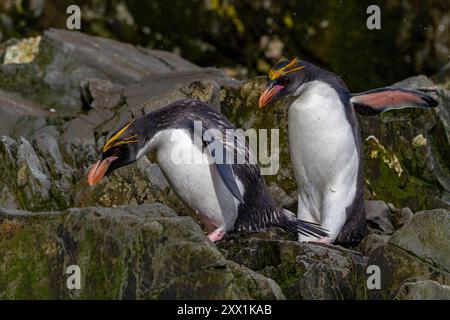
pixel 290 67
pixel 114 140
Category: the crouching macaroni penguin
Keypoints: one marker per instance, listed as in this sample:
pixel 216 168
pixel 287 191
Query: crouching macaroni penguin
pixel 227 196
pixel 325 142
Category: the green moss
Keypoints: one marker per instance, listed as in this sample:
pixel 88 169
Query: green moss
pixel 388 177
pixel 8 177
pixel 288 278
pixel 27 276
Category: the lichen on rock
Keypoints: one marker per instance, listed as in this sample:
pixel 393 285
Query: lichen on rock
pixel 24 51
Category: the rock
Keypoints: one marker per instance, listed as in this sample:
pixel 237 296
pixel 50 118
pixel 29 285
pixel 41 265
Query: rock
pixel 419 250
pixel 111 59
pixel 101 101
pixel 36 174
pixel 188 83
pixel 302 270
pixel 79 132
pixel 400 216
pixel 370 242
pixel 378 216
pixel 101 95
pixel 136 252
pixel 129 185
pixel 427 236
pixel 444 117
pixel 66 58
pixel 60 172
pixel 108 105
pixel 7 198
pixel 173 61
pixel 152 93
pixel 24 51
pixel 31 176
pixel 423 290
pixel 13 106
pixel 259 287
pixel 35 182
pixel 154 174
pixel 49 149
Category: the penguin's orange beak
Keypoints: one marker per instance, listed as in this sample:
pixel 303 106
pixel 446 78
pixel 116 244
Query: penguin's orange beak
pixel 99 169
pixel 268 95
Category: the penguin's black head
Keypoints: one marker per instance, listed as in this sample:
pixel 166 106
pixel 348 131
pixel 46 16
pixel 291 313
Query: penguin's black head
pixel 283 80
pixel 120 150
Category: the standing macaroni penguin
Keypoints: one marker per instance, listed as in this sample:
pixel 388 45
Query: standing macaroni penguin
pixel 325 142
pixel 188 137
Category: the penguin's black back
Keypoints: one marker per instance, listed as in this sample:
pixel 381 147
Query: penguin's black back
pixel 355 227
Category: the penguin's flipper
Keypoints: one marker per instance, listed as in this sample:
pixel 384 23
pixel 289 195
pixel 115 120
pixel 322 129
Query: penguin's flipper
pixel 227 175
pixel 379 100
pixel 216 145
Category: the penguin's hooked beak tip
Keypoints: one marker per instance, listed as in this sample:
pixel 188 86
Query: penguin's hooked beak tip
pixel 99 169
pixel 268 95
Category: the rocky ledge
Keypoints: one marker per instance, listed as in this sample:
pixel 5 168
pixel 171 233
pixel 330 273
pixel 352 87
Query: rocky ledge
pixel 133 238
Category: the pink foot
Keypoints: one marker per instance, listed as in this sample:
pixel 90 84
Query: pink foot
pixel 216 235
pixel 324 240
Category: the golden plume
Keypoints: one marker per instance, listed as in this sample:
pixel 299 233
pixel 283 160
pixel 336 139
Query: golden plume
pixel 114 140
pixel 290 67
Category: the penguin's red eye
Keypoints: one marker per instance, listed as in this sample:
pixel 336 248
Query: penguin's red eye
pixel 115 152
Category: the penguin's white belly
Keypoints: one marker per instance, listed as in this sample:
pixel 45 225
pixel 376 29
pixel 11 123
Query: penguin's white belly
pixel 324 157
pixel 197 183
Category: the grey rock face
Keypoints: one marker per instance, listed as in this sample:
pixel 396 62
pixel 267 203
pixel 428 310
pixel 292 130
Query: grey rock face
pixel 370 242
pixel 36 174
pixel 419 250
pixel 138 252
pixel 400 216
pixel 83 56
pixel 303 271
pixel 378 216
pixel 66 59
pixel 427 236
pixel 31 173
pixel 423 290
pixel 203 84
pixel 13 106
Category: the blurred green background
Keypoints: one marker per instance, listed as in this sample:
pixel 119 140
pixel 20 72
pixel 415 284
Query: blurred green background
pixel 245 37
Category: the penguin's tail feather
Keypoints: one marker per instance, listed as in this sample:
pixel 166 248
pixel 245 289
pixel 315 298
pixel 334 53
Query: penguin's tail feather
pixel 295 226
pixel 383 99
